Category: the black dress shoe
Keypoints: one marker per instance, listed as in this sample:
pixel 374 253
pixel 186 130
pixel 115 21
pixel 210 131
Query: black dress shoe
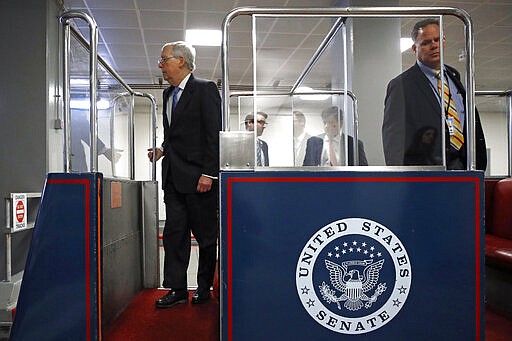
pixel 171 299
pixel 200 296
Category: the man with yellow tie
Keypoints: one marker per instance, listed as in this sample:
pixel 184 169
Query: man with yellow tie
pixel 417 99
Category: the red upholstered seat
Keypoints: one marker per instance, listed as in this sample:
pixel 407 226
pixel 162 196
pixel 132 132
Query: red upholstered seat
pixel 490 184
pixel 498 223
pixel 498 251
pixel 502 209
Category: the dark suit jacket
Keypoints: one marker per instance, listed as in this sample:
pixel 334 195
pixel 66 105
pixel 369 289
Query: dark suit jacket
pixel 315 145
pixel 411 105
pixel 191 143
pixel 264 149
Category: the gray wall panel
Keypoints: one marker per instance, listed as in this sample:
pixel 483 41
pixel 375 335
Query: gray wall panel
pixel 122 249
pixel 27 31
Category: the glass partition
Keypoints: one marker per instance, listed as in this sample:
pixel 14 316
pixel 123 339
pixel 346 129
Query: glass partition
pixel 494 113
pixel 395 120
pixel 285 125
pixel 115 124
pixel 113 114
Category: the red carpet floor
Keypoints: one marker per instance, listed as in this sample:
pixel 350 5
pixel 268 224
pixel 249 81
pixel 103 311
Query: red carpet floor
pixel 497 327
pixel 141 321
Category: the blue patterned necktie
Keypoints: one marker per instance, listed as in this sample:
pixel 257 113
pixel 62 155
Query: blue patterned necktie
pixel 259 155
pixel 175 97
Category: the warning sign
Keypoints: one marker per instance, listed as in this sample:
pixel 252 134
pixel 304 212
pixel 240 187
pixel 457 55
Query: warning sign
pixel 19 210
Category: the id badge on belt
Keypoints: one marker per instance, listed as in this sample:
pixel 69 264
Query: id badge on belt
pixel 449 124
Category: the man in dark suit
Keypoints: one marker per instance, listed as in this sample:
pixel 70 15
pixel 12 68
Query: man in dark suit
pixel 190 167
pixel 328 149
pixel 413 104
pixel 261 146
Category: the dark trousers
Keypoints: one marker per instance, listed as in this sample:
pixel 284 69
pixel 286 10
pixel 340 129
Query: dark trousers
pixel 185 212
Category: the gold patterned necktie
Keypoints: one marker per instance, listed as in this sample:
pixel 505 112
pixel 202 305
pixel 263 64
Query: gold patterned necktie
pixel 452 118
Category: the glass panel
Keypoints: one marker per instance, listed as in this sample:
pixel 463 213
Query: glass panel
pixel 397 105
pixel 113 108
pixel 493 114
pixel 412 129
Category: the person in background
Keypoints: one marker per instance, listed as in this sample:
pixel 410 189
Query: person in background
pixel 262 147
pixel 300 137
pixel 328 149
pixel 413 102
pixel 190 168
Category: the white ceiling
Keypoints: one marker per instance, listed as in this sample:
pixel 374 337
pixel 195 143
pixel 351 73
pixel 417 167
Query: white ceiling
pixel 131 33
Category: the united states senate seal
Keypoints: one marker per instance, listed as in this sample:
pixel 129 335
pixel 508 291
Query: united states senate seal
pixel 353 276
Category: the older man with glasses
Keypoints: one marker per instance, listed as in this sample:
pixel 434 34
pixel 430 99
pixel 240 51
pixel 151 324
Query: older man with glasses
pixel 190 168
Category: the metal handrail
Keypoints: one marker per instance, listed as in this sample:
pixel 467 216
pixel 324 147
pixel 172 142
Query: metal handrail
pixel 364 12
pixel 93 63
pixel 153 127
pixel 318 53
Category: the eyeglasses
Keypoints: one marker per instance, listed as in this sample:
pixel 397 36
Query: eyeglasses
pixel 162 60
pixel 262 122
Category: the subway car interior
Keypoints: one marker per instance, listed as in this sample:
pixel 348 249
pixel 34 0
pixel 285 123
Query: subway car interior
pixel 316 240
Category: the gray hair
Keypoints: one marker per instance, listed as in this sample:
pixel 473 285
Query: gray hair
pixel 185 50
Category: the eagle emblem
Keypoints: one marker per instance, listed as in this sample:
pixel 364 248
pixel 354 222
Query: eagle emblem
pixel 354 287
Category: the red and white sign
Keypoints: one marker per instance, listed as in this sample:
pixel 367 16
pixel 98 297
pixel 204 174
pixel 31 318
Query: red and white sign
pixel 19 211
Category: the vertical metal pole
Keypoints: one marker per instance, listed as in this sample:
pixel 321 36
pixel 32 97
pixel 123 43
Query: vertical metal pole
pixel 441 95
pixel 131 137
pixel 255 91
pixel 8 240
pixel 113 104
pixel 225 72
pixel 93 72
pixel 470 94
pixel 153 128
pixel 66 99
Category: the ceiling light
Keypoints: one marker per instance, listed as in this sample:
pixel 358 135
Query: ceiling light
pixel 306 89
pixel 405 44
pixel 79 82
pixel 204 37
pixel 86 104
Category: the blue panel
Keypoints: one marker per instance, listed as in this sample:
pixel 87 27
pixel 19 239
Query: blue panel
pixel 429 220
pixel 59 293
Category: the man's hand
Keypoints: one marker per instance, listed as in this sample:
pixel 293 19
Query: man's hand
pixel 204 184
pixel 159 154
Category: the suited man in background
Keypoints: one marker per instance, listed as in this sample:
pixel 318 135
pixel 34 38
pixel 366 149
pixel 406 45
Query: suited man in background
pixel 328 149
pixel 300 137
pixel 413 102
pixel 262 147
pixel 190 168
